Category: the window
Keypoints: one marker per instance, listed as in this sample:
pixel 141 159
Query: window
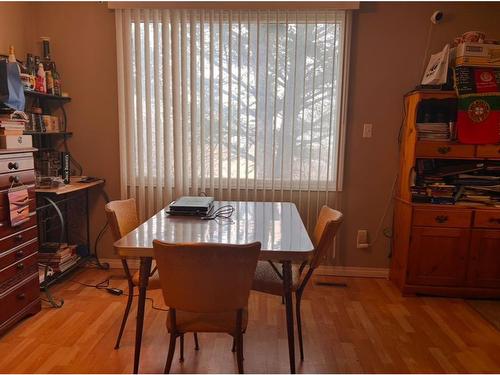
pixel 230 99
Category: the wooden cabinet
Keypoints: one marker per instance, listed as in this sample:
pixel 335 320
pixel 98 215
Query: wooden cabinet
pixel 484 264
pixel 438 256
pixel 445 250
pixel 19 286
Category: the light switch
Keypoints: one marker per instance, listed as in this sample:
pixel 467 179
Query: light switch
pixel 367 130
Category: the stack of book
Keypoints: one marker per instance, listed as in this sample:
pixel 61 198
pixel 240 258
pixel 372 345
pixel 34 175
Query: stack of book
pixel 457 182
pixel 59 256
pixel 433 131
pixel 11 132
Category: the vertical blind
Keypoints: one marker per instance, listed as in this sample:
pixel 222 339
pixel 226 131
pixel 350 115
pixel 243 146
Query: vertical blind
pixel 235 104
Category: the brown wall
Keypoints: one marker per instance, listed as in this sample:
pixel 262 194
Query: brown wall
pixel 388 41
pixel 15 28
pixel 84 48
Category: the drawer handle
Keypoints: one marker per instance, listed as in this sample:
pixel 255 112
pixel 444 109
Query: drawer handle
pixel 444 149
pixel 14 165
pixel 15 179
pixel 494 220
pixel 20 266
pixel 21 296
pixel 19 237
pixel 20 254
pixel 441 219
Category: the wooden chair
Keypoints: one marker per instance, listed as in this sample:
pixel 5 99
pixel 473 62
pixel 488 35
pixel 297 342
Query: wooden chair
pixel 206 287
pixel 122 218
pixel 268 281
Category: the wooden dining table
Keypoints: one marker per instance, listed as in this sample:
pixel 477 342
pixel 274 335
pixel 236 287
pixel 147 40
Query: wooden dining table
pixel 277 225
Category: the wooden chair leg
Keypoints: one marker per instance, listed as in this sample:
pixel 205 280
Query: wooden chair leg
pixel 129 303
pixel 171 350
pixel 299 323
pixel 196 345
pixel 181 359
pixel 239 352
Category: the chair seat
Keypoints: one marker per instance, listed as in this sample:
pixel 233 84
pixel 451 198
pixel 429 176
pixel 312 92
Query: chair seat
pixel 153 283
pixel 206 322
pixel 266 279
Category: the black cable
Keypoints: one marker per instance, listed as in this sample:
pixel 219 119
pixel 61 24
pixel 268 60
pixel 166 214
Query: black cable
pixel 223 212
pixel 105 285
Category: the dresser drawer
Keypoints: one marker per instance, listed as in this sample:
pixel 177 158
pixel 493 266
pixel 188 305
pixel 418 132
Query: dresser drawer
pixel 22 177
pixel 17 253
pixel 18 267
pixel 18 297
pixel 442 218
pixel 6 229
pixel 487 219
pixel 9 164
pixel 488 151
pixel 443 150
pixel 17 239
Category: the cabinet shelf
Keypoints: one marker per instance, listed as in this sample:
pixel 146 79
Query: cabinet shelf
pixel 42 96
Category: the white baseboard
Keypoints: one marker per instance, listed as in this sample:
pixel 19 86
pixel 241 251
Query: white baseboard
pixel 379 273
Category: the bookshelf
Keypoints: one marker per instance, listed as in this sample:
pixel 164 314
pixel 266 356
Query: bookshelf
pixel 450 249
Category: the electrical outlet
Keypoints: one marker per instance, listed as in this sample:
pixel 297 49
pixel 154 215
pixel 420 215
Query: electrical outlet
pixel 367 130
pixel 362 239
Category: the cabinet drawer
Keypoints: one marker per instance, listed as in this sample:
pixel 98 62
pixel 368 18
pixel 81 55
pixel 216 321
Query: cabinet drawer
pixel 21 296
pixel 24 177
pixel 16 253
pixel 6 229
pixel 488 151
pixel 442 218
pixel 10 164
pixel 487 219
pixel 443 150
pixel 18 238
pixel 18 267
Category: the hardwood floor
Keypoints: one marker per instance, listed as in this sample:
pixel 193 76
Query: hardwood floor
pixel 365 327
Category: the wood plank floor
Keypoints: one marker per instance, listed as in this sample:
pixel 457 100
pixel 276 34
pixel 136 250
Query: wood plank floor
pixel 365 327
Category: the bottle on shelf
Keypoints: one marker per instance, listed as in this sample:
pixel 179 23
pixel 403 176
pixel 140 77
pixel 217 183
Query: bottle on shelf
pixel 46 52
pixel 49 82
pixel 57 80
pixel 12 58
pixel 40 85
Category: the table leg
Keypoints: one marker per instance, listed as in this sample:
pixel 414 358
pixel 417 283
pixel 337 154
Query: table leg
pixel 287 291
pixel 145 269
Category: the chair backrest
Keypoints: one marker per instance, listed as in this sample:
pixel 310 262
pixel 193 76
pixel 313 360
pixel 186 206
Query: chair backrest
pixel 328 223
pixel 204 278
pixel 122 217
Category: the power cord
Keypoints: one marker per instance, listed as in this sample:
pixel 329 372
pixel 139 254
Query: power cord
pixel 105 285
pixel 223 212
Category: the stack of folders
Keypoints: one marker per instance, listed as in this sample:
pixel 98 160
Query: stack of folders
pixel 433 131
pixel 59 257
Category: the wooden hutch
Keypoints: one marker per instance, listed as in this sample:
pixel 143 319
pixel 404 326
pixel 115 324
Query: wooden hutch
pixel 445 250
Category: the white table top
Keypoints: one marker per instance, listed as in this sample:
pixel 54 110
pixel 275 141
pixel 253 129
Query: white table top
pixel 277 226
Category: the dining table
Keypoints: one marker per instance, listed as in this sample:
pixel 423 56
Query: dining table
pixel 276 225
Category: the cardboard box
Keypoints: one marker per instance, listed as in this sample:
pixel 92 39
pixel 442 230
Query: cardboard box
pixel 15 141
pixel 476 54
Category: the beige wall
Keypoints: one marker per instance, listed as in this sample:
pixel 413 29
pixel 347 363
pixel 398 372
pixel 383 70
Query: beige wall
pixel 388 41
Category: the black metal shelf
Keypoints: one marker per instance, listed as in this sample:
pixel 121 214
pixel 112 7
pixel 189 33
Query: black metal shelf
pixel 49 133
pixel 41 95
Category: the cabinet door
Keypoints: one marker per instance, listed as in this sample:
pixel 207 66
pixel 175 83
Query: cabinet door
pixel 438 256
pixel 484 263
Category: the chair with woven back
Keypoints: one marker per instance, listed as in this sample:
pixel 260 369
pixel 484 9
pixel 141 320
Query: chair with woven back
pixel 122 219
pixel 268 280
pixel 195 279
